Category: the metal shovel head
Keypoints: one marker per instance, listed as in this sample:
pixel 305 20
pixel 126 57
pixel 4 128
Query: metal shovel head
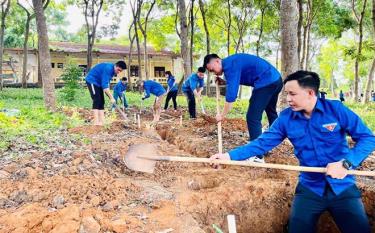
pixel 134 162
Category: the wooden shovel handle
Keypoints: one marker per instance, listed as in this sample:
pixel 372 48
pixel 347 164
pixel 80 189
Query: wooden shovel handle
pixel 253 164
pixel 219 127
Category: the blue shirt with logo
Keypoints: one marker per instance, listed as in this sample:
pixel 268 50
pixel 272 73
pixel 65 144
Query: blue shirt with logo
pixel 154 88
pixel 248 70
pixel 192 83
pixel 172 83
pixel 317 141
pixel 101 74
pixel 120 88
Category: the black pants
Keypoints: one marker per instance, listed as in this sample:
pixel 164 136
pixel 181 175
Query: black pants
pixel 171 95
pixel 97 96
pixel 191 103
pixel 264 98
pixel 346 209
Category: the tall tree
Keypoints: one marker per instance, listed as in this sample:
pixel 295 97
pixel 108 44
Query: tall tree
pixel 136 11
pixel 263 5
pixel 191 32
pixel 372 71
pixel 30 15
pixel 289 46
pixel 143 29
pixel 91 11
pixel 45 57
pixel 359 18
pixel 5 5
pixel 131 39
pixel 207 32
pixel 184 38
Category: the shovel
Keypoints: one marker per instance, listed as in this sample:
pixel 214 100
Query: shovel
pixel 121 112
pixel 143 157
pixel 202 106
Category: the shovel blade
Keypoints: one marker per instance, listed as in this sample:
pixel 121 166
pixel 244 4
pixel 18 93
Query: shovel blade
pixel 133 160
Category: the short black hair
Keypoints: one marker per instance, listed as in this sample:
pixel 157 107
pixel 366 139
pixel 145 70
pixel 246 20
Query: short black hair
pixel 201 69
pixel 121 64
pixel 305 79
pixel 168 73
pixel 208 58
pixel 124 79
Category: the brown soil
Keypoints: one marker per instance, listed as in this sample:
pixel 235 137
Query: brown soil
pixel 87 188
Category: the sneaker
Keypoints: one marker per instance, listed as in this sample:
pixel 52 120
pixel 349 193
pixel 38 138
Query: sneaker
pixel 256 159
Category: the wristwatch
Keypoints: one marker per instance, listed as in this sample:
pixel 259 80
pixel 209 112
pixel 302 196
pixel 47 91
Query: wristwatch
pixel 346 164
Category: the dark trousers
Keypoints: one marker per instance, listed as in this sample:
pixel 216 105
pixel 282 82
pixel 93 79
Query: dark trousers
pixel 264 98
pixel 191 103
pixel 171 95
pixel 346 209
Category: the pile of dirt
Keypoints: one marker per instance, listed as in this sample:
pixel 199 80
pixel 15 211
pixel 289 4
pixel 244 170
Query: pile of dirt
pixel 84 186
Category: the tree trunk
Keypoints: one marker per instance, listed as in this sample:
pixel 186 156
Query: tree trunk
pixel 229 26
pixel 184 38
pixel 5 5
pixel 144 33
pixel 372 71
pixel 208 46
pixel 366 95
pixel 359 51
pixel 306 66
pixel 299 29
pixel 191 32
pixel 263 10
pixel 25 52
pixel 93 13
pixel 289 46
pixel 40 81
pixel 131 39
pixel 44 53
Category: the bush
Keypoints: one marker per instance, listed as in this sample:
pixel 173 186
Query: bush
pixel 71 76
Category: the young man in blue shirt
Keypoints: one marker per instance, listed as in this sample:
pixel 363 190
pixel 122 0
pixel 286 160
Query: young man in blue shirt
pixel 172 91
pixel 97 81
pixel 192 88
pixel 155 88
pixel 317 129
pixel 119 92
pixel 248 70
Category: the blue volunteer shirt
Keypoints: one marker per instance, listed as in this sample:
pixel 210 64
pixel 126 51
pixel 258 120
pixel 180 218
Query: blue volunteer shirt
pixel 248 70
pixel 120 88
pixel 172 83
pixel 192 83
pixel 317 141
pixel 101 74
pixel 154 88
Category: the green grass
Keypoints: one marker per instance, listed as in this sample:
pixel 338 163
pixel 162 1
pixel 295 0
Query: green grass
pixel 35 123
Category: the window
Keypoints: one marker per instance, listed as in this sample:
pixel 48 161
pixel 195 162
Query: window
pixel 52 65
pixel 159 71
pixel 134 71
pixel 60 65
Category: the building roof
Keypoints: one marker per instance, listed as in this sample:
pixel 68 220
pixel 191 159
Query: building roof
pixel 70 47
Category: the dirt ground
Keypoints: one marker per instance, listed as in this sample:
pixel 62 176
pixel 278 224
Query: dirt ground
pixel 85 187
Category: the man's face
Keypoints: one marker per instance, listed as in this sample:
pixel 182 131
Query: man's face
pixel 118 70
pixel 124 82
pixel 297 97
pixel 214 66
pixel 200 75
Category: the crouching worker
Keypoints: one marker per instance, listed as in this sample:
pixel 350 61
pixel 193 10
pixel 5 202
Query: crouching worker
pixel 317 128
pixel 155 88
pixel 119 92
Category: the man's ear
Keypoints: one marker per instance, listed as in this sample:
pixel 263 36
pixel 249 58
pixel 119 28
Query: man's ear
pixel 312 92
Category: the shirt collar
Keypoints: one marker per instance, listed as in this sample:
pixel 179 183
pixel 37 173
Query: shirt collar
pixel 318 107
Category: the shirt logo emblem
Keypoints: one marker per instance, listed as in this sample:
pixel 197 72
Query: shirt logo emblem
pixel 330 126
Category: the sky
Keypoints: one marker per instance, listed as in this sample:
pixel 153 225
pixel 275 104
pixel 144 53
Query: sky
pixel 76 19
